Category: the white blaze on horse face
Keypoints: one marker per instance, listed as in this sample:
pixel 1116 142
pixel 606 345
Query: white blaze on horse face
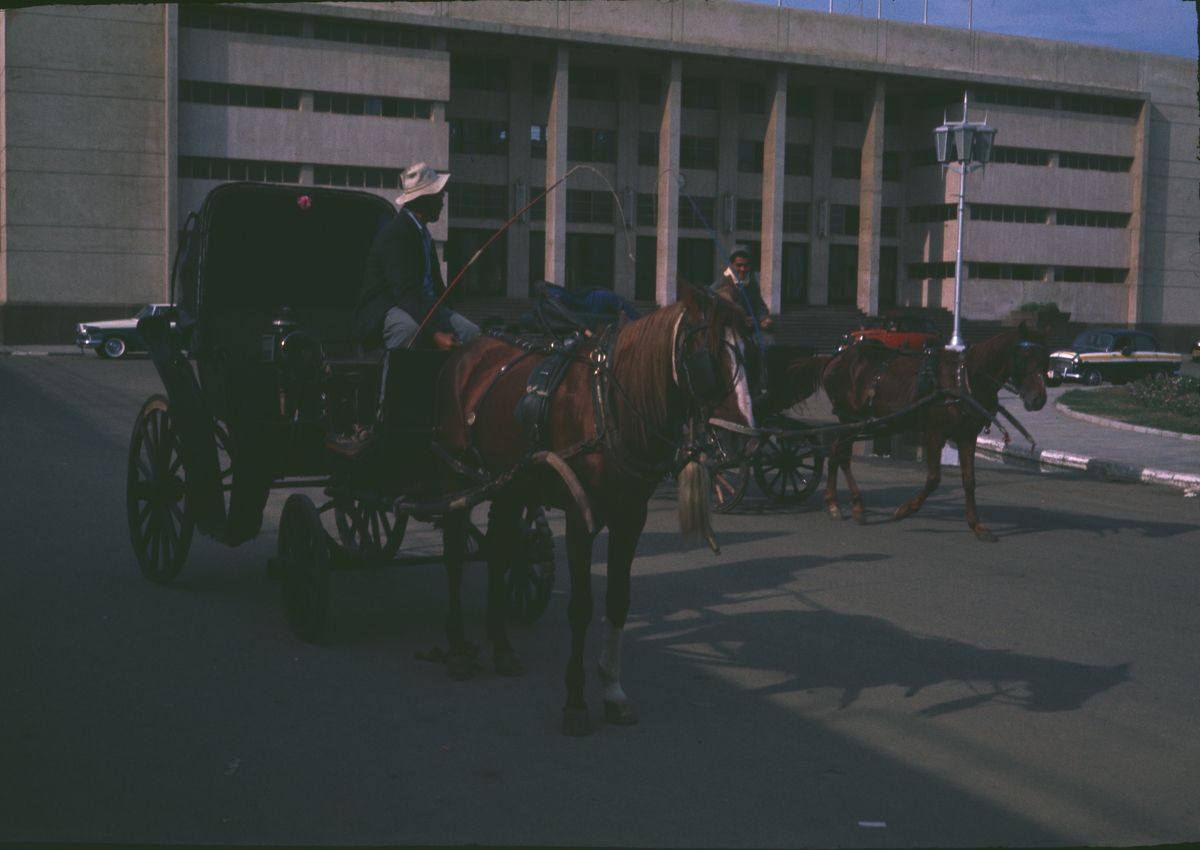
pixel 609 665
pixel 741 382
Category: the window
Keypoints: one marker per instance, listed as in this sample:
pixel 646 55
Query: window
pixel 1095 162
pixel 387 107
pixel 1014 97
pixel 645 273
pixel 489 274
pixel 537 258
pixel 477 200
pixel 696 261
pixel 924 156
pixel 537 141
pixel 1088 218
pixel 539 79
pixel 1020 156
pixel 843 220
pixel 799 102
pixel 889 274
pixel 649 92
pixel 696 212
pixel 1017 215
pixel 889 221
pixel 592 83
pixel 588 145
pixel 584 207
pixel 847 106
pixel 478 137
pixel 589 260
pixel 647 211
pixel 1087 274
pixel 482 73
pixel 1005 271
pixel 538 211
pixel 223 94
pixel 930 271
pixel 750 156
pixel 892 171
pixel 932 213
pixel 265 23
pixel 209 168
pixel 795 217
pixel 752 98
pixel 367 178
pixel 1101 106
pixel 749 215
pixel 847 163
pixel 843 274
pixel 893 110
pixel 698 152
pixel 699 93
pixel 795 274
pixel 797 160
pixel 647 148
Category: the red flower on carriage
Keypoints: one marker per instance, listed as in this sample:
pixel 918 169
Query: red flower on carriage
pixel 304 202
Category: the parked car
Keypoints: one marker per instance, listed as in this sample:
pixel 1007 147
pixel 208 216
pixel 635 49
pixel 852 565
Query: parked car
pixel 114 338
pixel 1111 354
pixel 896 330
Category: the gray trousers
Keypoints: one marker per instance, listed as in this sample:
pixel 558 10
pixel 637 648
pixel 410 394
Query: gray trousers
pixel 399 328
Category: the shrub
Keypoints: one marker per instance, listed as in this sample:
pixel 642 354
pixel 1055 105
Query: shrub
pixel 1174 395
pixel 1039 307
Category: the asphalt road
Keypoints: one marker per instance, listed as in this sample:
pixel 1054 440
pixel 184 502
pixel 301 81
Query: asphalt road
pixel 815 677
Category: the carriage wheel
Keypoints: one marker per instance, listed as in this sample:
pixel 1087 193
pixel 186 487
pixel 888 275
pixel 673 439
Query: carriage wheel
pixel 727 486
pixel 303 567
pixel 788 469
pixel 366 530
pixel 530 576
pixel 160 524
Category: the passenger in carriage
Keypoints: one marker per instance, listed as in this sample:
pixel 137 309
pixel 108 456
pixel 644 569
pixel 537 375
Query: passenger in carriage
pixel 403 279
pixel 739 279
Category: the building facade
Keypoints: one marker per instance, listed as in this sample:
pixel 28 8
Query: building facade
pixel 681 128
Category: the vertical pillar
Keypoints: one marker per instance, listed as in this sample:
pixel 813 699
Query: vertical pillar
pixel 774 146
pixel 727 172
pixel 870 203
pixel 822 183
pixel 519 172
pixel 1137 221
pixel 170 142
pixel 625 260
pixel 556 167
pixel 668 188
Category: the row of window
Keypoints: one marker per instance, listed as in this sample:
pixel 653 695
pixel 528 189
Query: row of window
pixel 209 168
pixel 1034 156
pixel 1019 271
pixel 386 107
pixel 269 23
pixel 222 94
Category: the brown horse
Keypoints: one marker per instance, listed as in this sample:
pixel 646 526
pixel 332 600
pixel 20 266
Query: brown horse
pixel 618 418
pixel 869 381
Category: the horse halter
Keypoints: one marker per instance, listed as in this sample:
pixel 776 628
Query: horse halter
pixel 1021 352
pixel 698 373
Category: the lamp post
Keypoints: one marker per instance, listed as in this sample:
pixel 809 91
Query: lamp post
pixel 972 149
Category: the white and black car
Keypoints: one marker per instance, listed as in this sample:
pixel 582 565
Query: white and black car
pixel 1112 354
pixel 115 337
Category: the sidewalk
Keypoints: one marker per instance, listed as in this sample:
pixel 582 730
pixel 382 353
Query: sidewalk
pixel 39 350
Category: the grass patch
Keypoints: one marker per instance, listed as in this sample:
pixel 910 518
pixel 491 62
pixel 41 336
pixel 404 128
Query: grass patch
pixel 1119 404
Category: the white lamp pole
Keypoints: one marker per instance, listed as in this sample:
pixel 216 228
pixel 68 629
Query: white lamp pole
pixel 973 143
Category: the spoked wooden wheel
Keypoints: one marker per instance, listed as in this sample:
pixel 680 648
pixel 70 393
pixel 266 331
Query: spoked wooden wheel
pixel 366 530
pixel 788 469
pixel 727 485
pixel 303 567
pixel 160 524
pixel 530 576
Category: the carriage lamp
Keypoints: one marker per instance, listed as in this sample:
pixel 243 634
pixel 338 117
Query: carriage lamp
pixel 962 146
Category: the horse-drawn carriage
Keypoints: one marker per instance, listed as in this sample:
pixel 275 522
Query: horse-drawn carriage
pixel 280 398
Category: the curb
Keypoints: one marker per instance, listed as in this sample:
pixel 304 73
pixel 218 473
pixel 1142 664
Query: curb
pixel 41 351
pixel 1110 470
pixel 1121 426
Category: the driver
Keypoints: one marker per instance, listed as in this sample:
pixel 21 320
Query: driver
pixel 403 278
pixel 738 279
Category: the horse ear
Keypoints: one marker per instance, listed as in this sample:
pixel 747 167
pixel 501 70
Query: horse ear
pixel 692 296
pixel 1022 330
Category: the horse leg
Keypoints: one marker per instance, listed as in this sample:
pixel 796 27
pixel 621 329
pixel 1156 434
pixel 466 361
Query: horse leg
pixel 831 503
pixel 934 442
pixel 966 459
pixel 460 664
pixel 857 511
pixel 579 615
pixel 623 535
pixel 503 518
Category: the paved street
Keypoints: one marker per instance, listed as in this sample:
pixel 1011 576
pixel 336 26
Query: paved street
pixel 814 677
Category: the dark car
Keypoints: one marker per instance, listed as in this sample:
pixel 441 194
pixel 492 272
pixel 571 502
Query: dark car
pixel 1111 354
pixel 113 338
pixel 894 330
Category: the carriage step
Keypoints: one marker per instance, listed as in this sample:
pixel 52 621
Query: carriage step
pixel 351 446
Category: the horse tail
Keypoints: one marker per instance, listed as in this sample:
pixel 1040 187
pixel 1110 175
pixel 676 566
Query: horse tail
pixel 803 376
pixel 695 513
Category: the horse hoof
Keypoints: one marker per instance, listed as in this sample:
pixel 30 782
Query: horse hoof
pixel 461 667
pixel 860 517
pixel 507 664
pixel 835 513
pixel 981 531
pixel 619 713
pixel 576 722
pixel 902 512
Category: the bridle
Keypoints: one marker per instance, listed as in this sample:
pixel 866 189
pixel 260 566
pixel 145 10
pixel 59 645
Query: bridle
pixel 1022 351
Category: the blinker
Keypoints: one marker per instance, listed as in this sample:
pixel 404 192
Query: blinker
pixel 701 375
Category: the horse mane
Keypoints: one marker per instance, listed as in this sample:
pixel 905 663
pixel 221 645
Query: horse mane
pixel 642 363
pixel 993 351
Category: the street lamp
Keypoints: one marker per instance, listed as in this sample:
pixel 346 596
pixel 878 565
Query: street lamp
pixel 972 148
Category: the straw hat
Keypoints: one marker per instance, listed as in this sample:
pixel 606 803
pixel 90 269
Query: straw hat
pixel 418 180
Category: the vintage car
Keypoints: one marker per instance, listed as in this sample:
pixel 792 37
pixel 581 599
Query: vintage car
pixel 896 330
pixel 113 338
pixel 1111 354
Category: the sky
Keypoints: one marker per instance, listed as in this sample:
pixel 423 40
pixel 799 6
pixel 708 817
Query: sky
pixel 1154 26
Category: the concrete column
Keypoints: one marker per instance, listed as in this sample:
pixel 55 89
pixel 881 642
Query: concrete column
pixel 170 142
pixel 1137 221
pixel 556 167
pixel 519 172
pixel 625 260
pixel 870 203
pixel 727 171
pixel 822 183
pixel 774 147
pixel 668 187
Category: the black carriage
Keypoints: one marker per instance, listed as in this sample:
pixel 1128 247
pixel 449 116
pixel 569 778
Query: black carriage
pixel 281 398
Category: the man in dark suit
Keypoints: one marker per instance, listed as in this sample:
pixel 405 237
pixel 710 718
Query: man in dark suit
pixel 403 279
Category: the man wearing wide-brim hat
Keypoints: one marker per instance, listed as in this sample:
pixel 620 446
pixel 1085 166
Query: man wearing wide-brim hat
pixel 403 278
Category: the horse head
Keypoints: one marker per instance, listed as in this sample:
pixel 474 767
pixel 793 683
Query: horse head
pixel 1030 359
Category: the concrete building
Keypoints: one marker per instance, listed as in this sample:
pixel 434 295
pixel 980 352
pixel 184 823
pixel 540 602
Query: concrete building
pixel 806 135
